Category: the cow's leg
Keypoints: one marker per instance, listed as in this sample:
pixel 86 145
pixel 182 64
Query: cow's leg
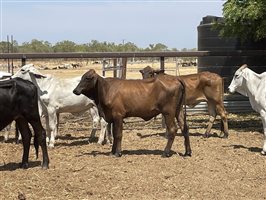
pixel 117 135
pixel 212 117
pixel 185 131
pixel 224 124
pixel 103 131
pixel 17 134
pixel 48 130
pixel 52 125
pixel 26 137
pixel 263 118
pixel 40 139
pixel 57 124
pixel 171 129
pixel 95 121
pixel 6 136
pixel 109 133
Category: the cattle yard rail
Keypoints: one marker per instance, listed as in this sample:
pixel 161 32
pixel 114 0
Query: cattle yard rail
pixel 161 55
pixel 233 103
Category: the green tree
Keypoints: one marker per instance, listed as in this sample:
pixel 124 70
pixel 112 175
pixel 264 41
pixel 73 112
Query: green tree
pixel 37 46
pixel 65 46
pixel 245 19
pixel 157 47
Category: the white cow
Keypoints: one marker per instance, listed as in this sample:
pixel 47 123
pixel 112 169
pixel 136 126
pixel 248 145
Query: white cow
pixel 56 96
pixel 5 75
pixel 252 85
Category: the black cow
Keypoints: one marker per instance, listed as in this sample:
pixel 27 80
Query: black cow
pixel 19 102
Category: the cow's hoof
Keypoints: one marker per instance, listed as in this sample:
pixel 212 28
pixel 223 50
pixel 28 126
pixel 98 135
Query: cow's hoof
pixel 166 155
pixel 223 135
pixel 206 135
pixel 45 166
pixel 188 154
pixel 24 165
pixel 118 154
pixel 51 145
pixel 263 153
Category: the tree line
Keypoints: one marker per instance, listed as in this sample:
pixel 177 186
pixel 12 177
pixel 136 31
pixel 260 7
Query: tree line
pixel 40 46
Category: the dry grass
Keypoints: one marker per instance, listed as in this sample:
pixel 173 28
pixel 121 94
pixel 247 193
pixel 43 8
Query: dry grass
pixel 218 169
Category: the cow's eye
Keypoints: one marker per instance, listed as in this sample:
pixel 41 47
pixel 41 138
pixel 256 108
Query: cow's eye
pixel 89 78
pixel 236 76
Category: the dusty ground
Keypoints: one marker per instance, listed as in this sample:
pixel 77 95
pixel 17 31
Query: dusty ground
pixel 218 169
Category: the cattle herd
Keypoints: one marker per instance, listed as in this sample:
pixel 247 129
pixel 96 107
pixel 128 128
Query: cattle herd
pixel 29 95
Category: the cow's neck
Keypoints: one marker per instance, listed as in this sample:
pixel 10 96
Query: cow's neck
pixel 42 84
pixel 100 92
pixel 252 82
pixel 101 87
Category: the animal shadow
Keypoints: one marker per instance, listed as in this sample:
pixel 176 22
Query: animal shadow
pixel 14 166
pixel 251 149
pixel 132 152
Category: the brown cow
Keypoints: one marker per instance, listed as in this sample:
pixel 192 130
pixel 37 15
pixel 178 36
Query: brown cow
pixel 118 99
pixel 204 86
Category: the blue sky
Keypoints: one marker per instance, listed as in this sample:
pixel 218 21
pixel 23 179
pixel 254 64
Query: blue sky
pixel 171 22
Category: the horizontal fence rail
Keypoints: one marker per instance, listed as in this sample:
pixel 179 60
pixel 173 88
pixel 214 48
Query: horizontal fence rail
pixel 132 54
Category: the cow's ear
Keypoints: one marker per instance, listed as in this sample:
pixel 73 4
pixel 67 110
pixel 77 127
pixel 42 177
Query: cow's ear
pixel 159 71
pixel 244 66
pixel 39 76
pixel 141 71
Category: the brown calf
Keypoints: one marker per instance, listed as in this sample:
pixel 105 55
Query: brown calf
pixel 117 99
pixel 204 86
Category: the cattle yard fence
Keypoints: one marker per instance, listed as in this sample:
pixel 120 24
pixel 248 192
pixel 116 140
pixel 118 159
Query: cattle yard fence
pixel 233 103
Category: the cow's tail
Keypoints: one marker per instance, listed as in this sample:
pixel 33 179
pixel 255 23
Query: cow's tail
pixel 183 103
pixel 36 144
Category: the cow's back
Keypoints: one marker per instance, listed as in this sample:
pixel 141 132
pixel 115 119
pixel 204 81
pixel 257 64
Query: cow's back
pixel 17 97
pixel 139 98
pixel 203 87
pixel 59 95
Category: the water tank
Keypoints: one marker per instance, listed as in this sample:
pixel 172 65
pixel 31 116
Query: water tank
pixel 225 66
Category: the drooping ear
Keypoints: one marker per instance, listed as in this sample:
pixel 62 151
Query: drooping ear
pixel 141 71
pixel 39 75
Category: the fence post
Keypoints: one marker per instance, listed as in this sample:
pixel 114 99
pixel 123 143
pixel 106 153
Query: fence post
pixel 104 67
pixel 124 68
pixel 162 63
pixel 23 61
pixel 115 67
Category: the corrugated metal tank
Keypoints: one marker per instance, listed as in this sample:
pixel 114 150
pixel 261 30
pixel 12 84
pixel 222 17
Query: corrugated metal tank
pixel 225 66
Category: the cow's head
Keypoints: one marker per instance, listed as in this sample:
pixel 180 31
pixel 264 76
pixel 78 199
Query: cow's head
pixel 148 72
pixel 27 71
pixel 236 84
pixel 87 83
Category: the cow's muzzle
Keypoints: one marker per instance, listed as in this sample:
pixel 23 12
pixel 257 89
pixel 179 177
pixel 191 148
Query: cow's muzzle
pixel 76 92
pixel 231 90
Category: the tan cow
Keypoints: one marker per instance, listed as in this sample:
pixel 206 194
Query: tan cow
pixel 117 99
pixel 204 86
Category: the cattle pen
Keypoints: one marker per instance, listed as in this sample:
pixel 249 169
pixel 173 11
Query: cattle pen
pixel 233 103
pixel 218 169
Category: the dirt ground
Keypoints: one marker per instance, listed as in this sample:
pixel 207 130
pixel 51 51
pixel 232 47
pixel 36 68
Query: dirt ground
pixel 218 169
